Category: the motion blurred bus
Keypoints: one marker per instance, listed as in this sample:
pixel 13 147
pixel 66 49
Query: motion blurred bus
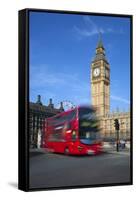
pixel 74 132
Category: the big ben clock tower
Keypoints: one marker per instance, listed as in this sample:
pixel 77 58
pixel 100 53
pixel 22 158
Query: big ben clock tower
pixel 100 81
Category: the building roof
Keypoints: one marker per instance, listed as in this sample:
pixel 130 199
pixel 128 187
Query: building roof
pixel 100 43
pixel 100 55
pixel 43 109
pixel 39 107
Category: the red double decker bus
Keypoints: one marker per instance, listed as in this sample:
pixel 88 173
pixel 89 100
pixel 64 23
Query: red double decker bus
pixel 75 131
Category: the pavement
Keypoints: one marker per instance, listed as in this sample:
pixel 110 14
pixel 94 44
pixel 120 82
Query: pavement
pixel 119 152
pixel 113 150
pixel 37 151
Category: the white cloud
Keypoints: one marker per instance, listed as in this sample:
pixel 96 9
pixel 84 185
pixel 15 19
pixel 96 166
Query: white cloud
pixel 85 32
pixel 59 84
pixel 91 29
pixel 117 98
pixel 41 76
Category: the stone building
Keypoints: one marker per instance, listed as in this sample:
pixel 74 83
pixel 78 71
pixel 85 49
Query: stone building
pixel 37 115
pixel 100 90
pixel 108 129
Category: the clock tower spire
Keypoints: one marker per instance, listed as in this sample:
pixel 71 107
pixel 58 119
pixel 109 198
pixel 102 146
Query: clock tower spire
pixel 100 80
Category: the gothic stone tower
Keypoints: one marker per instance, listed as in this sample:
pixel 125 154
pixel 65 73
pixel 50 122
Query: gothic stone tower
pixel 100 81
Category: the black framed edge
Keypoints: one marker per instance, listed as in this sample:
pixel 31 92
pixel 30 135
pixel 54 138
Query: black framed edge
pixel 23 175
pixel 23 97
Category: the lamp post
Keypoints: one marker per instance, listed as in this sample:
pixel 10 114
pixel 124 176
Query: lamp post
pixel 117 126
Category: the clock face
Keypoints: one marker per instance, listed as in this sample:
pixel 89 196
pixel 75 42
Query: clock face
pixel 96 72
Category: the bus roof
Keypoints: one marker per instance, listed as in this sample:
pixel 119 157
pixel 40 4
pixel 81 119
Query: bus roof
pixel 62 113
pixel 70 110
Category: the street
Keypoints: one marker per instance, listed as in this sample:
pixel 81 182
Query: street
pixel 53 170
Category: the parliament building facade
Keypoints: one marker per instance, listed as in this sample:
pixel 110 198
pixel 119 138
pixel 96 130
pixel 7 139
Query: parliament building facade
pixel 100 93
pixel 37 115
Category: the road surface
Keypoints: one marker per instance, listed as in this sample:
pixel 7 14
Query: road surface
pixel 53 170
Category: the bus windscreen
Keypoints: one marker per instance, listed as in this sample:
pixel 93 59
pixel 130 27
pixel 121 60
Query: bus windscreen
pixel 88 126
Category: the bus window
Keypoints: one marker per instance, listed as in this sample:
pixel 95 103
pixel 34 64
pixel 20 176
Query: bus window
pixel 88 125
pixel 71 115
pixel 74 136
pixel 61 119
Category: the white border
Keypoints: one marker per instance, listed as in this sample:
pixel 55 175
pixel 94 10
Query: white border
pixel 9 94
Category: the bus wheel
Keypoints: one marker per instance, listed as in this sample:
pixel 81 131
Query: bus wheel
pixel 66 151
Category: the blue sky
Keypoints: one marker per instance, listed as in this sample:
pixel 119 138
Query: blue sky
pixel 62 47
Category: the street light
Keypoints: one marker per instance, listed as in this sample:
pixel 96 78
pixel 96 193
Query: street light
pixel 117 127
